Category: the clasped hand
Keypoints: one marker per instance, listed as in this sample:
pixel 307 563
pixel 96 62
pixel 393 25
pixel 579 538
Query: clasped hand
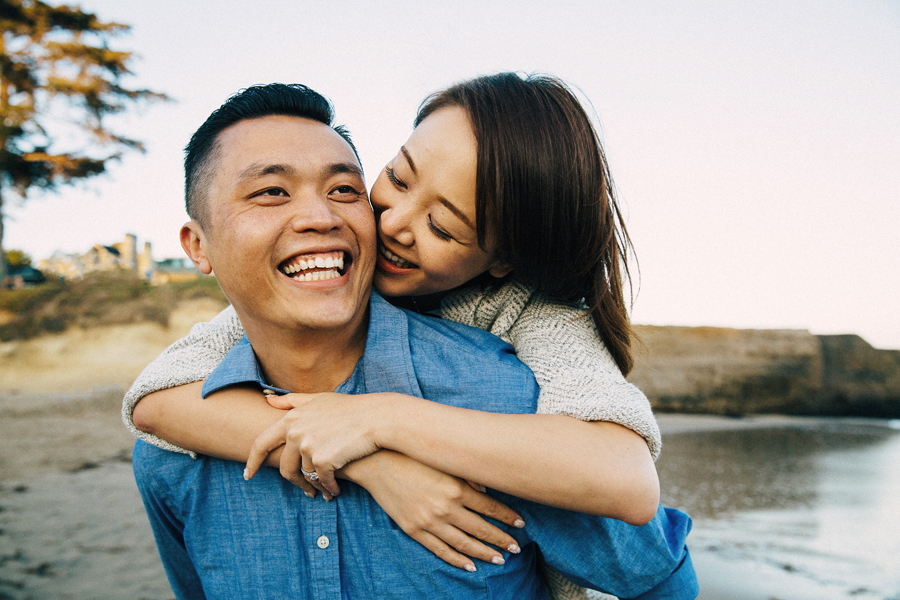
pixel 320 433
pixel 325 432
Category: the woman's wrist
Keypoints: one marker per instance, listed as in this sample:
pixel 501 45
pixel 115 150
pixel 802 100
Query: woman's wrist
pixel 389 410
pixel 365 469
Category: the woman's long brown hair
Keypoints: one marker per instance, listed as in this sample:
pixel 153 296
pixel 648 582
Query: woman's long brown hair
pixel 543 184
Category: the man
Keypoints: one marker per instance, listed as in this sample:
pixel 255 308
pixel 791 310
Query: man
pixel 274 185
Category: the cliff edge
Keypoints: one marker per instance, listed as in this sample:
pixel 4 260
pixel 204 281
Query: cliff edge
pixel 748 371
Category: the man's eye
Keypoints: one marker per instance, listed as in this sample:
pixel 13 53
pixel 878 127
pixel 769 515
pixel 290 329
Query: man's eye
pixel 345 193
pixel 276 191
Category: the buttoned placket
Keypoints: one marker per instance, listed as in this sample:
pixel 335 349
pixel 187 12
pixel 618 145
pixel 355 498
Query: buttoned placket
pixel 322 546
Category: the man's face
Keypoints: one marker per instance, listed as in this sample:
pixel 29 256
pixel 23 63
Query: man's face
pixel 290 234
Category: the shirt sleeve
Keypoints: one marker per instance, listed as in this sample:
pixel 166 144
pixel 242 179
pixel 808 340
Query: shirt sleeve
pixel 648 562
pixel 167 526
pixel 190 359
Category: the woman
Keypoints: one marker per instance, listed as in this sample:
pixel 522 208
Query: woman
pixel 499 211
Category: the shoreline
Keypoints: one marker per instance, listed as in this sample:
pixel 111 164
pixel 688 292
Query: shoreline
pixel 675 423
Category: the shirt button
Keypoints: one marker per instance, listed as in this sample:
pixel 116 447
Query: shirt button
pixel 323 542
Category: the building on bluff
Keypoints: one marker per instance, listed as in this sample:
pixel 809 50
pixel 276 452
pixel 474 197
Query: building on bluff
pixel 121 255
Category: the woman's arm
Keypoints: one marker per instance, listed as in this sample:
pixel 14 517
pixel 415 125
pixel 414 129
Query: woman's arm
pixel 593 467
pixel 560 344
pixel 600 461
pixel 441 512
pixel 190 359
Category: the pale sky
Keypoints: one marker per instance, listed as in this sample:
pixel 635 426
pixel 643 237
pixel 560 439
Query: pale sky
pixel 755 146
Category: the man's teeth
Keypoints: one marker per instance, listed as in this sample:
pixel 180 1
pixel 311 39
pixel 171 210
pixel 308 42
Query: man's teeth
pixel 403 264
pixel 333 263
pixel 316 275
pixel 318 262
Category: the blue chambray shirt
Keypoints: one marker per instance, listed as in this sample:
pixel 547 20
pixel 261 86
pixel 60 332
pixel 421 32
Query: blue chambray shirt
pixel 222 537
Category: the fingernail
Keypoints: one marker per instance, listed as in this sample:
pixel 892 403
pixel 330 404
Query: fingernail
pixel 471 568
pixel 246 474
pixel 309 494
pixel 483 489
pixel 498 560
pixel 513 548
pixel 519 523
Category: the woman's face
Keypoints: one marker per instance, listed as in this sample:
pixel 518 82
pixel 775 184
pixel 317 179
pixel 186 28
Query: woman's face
pixel 424 203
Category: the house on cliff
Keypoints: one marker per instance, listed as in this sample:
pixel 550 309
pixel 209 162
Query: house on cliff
pixel 121 255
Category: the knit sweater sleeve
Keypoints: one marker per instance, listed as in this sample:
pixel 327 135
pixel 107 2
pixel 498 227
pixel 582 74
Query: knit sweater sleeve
pixel 190 359
pixel 576 373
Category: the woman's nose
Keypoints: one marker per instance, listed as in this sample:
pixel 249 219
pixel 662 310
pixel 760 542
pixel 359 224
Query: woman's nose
pixel 393 222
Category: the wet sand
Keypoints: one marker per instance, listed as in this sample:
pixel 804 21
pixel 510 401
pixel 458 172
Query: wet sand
pixel 72 524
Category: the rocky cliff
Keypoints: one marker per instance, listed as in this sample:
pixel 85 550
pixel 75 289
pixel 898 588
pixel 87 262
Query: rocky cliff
pixel 736 372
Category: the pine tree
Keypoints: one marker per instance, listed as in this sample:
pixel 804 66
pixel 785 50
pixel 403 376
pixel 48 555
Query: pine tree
pixel 56 66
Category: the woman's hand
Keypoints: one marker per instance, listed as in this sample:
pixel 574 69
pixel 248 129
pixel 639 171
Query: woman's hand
pixel 441 512
pixel 320 433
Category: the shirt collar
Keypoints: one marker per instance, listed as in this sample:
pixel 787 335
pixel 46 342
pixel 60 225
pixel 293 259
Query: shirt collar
pixel 386 364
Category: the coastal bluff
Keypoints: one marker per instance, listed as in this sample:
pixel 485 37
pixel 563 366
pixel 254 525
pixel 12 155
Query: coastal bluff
pixel 708 370
pixel 736 372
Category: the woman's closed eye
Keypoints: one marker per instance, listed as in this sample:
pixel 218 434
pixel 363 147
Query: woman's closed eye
pixel 392 176
pixel 440 233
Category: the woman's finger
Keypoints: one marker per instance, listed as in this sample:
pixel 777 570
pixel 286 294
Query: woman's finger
pixel 288 401
pixel 476 486
pixel 315 475
pixel 476 530
pixel 464 543
pixel 443 551
pixel 491 507
pixel 325 476
pixel 271 438
pixel 290 468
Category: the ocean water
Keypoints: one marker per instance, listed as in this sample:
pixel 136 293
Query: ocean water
pixel 809 509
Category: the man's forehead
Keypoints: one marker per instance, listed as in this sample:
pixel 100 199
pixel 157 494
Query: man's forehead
pixel 285 144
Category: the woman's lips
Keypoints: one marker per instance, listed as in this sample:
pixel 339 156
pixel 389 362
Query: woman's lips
pixel 391 263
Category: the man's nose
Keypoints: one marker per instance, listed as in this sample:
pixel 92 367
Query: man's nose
pixel 313 212
pixel 394 222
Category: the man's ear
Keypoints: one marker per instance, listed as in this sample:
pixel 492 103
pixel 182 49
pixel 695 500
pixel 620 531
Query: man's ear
pixel 499 269
pixel 193 240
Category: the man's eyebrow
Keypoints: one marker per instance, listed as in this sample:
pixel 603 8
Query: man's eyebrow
pixel 462 216
pixel 262 169
pixel 342 168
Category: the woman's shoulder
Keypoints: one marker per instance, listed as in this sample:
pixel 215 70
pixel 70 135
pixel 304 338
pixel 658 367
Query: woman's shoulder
pixel 494 307
pixel 500 308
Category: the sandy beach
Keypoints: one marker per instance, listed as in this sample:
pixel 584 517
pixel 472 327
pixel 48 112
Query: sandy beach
pixel 72 524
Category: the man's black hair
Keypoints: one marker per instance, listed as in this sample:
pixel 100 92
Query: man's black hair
pixel 257 101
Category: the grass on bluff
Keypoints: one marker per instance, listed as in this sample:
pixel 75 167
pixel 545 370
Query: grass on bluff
pixel 101 298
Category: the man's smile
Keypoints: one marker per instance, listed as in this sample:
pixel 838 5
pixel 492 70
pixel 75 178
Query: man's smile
pixel 317 266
